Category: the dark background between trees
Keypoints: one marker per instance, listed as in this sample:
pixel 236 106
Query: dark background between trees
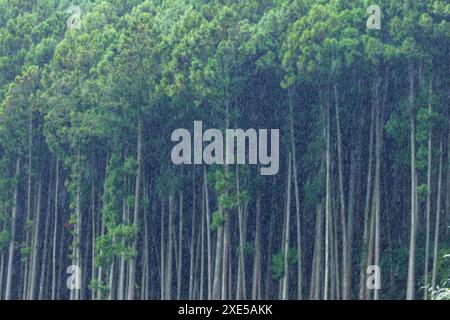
pixel 85 171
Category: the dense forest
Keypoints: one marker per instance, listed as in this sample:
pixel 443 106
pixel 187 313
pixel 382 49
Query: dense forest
pixel 92 207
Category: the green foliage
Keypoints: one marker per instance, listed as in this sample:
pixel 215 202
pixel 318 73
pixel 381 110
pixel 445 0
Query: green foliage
pixel 102 286
pixel 73 219
pixel 160 65
pixel 313 191
pixel 130 166
pixel 443 265
pixel 145 202
pixel 249 249
pixel 397 128
pixel 25 252
pixel 29 225
pixel 217 220
pixel 225 185
pixel 116 243
pixel 278 262
pixel 422 192
pixel 5 236
pixel 442 292
pixel 162 185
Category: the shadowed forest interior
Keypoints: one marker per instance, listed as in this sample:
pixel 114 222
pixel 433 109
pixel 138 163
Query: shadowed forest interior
pixel 90 92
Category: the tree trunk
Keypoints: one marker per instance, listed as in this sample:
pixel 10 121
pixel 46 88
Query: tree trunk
pixel 93 235
pixel 285 292
pixel 327 202
pixel 377 187
pixel 217 284
pixel 208 235
pixel 256 283
pixel 345 270
pixel 446 217
pixel 192 241
pixel 55 231
pixel 352 204
pixel 162 252
pixel 334 275
pixel 438 218
pixel 76 261
pixel 226 228
pixel 267 294
pixel 297 200
pixel 225 259
pixel 180 247
pixel 137 203
pixel 44 261
pixel 412 244
pixel 202 246
pixel 27 275
pixel 12 242
pixel 367 209
pixel 111 278
pixel 145 276
pixel 428 210
pixel 314 292
pixel 169 268
pixel 35 242
pixel 2 272
pixel 241 294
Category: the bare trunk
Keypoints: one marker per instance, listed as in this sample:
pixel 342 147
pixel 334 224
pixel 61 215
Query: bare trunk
pixel 428 210
pixel 44 261
pixel 162 253
pixel 268 291
pixel 93 235
pixel 438 218
pixel 225 259
pixel 111 279
pixel 241 294
pixel 297 201
pixel 367 209
pixel 342 205
pixel 335 276
pixel 256 283
pixel 2 272
pixel 377 187
pixel 192 242
pixel 327 202
pixel 412 244
pixel 76 261
pixel 285 292
pixel 208 235
pixel 55 231
pixel 314 292
pixel 217 265
pixel 137 203
pixel 226 227
pixel 354 167
pixel 180 247
pixel 446 216
pixel 35 249
pixel 202 246
pixel 169 268
pixel 11 252
pixel 27 272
